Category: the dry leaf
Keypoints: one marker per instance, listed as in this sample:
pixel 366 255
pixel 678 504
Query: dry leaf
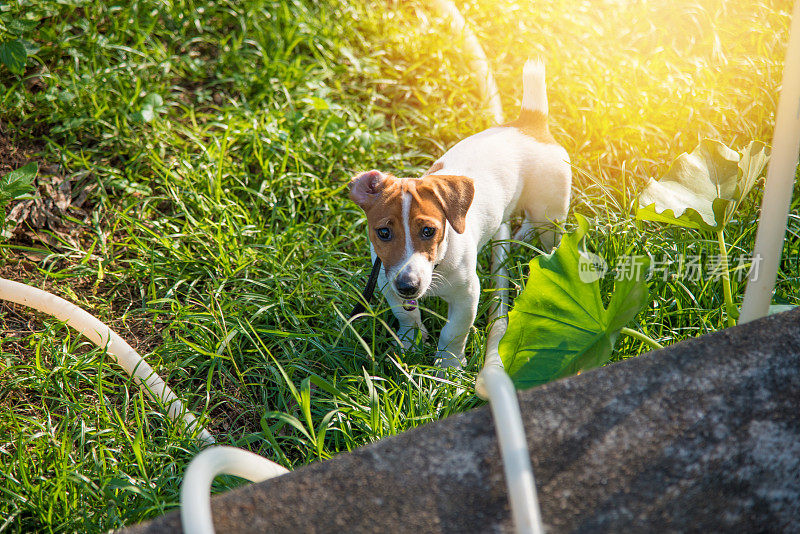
pixel 48 209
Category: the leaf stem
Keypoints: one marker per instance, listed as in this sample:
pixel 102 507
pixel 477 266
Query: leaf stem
pixel 726 280
pixel 641 337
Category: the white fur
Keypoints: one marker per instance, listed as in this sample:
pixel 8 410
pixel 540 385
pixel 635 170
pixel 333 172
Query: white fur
pixel 407 226
pixel 534 95
pixel 413 262
pixel 512 174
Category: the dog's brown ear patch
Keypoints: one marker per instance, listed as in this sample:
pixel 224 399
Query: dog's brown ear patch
pixel 365 188
pixel 454 194
pixel 438 166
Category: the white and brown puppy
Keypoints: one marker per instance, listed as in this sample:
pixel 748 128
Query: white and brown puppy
pixel 428 231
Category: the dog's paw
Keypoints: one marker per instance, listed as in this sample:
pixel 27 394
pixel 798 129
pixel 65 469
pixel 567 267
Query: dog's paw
pixel 445 360
pixel 411 336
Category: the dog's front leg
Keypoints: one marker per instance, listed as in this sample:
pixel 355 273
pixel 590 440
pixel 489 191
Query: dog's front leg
pixel 462 306
pixel 409 321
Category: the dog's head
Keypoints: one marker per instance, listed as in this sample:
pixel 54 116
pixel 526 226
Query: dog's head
pixel 407 221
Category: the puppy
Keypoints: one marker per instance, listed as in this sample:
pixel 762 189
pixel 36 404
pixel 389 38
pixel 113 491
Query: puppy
pixel 427 231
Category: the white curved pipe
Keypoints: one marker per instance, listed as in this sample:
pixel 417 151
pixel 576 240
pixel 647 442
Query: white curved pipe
pixel 493 383
pixel 478 61
pixel 497 314
pixel 779 184
pixel 196 486
pixel 514 448
pixel 102 336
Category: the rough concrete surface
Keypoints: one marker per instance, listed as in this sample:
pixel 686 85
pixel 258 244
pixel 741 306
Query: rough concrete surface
pixel 702 436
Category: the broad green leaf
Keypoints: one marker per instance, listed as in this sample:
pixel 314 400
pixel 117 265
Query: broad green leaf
pixel 17 182
pixel 13 55
pixel 559 324
pixel 703 189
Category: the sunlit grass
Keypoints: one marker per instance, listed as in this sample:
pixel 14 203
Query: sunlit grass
pixel 225 223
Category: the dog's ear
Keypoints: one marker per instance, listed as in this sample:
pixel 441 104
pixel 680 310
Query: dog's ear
pixel 454 194
pixel 365 187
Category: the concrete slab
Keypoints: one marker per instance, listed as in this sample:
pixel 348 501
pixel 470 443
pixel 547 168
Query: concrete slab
pixel 702 436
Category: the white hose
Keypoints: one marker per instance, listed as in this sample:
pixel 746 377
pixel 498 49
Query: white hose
pixel 102 336
pixel 514 449
pixel 493 383
pixel 497 314
pixel 779 184
pixel 213 461
pixel 478 60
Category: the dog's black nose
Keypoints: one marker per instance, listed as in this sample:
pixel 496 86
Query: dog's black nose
pixel 407 285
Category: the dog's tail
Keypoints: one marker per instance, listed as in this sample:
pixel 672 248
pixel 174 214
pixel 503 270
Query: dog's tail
pixel 534 88
pixel 532 118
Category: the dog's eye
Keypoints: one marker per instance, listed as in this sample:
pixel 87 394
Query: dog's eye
pixel 384 234
pixel 428 232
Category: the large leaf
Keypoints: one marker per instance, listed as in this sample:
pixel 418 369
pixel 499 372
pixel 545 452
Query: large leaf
pixel 559 324
pixel 703 189
pixel 754 159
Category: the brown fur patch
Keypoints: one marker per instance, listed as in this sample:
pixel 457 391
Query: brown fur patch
pixel 453 194
pixel 426 209
pixel 438 166
pixel 533 124
pixel 387 212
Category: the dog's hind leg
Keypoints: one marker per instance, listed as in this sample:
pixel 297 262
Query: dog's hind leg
pixel 549 232
pixel 545 207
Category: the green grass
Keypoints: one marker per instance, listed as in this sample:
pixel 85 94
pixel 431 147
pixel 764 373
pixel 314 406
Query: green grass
pixel 223 241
